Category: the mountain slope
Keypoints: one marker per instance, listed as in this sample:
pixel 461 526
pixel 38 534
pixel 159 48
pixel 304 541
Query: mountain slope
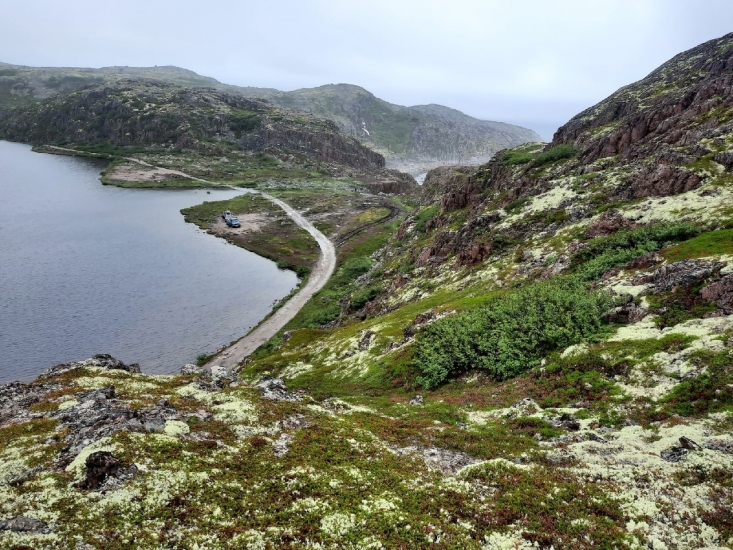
pixel 426 135
pixel 422 132
pixel 157 115
pixel 563 313
pixel 589 282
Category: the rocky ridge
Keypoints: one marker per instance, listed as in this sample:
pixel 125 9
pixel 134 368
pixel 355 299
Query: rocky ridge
pixel 414 139
pixel 160 116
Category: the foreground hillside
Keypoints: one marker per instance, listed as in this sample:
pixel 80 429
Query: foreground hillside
pixel 413 139
pixel 540 356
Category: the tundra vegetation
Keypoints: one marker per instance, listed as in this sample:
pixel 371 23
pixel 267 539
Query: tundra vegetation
pixel 538 355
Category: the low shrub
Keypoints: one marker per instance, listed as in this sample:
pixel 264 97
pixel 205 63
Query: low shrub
pixel 606 252
pixel 513 158
pixel 558 152
pixel 512 333
pixel 424 216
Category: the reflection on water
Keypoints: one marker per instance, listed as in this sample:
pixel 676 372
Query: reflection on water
pixel 87 268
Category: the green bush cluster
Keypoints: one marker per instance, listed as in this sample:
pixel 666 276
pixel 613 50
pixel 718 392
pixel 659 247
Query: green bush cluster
pixel 606 252
pixel 512 333
pixel 512 158
pixel 424 216
pixel 556 153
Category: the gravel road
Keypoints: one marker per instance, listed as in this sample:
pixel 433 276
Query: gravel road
pixel 233 355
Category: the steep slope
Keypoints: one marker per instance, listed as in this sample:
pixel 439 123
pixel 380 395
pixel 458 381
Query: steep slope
pixel 160 116
pixel 589 282
pixel 412 138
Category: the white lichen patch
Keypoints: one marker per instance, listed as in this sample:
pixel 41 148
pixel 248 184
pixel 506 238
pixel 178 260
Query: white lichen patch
pixel 310 505
pixel 235 410
pixel 296 369
pixel 67 404
pixel 692 206
pixel 338 524
pixel 176 427
pixel 657 504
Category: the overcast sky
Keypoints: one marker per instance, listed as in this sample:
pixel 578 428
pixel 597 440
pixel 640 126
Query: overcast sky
pixel 535 63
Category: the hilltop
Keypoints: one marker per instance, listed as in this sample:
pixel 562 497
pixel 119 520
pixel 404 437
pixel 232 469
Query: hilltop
pixel 540 355
pixel 412 139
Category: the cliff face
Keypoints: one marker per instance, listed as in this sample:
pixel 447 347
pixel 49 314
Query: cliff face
pixel 159 115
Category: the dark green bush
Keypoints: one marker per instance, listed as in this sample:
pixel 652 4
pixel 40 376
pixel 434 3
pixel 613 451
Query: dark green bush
pixel 362 297
pixel 512 158
pixel 424 216
pixel 556 153
pixel 606 252
pixel 512 333
pixel 244 121
pixel 352 269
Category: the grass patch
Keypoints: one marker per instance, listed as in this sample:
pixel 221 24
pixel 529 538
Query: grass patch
pixel 713 243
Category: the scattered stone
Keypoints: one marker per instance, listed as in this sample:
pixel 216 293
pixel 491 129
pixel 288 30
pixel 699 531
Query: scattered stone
pixel 627 314
pixel 366 340
pixel 102 467
pixel 295 422
pixel 678 274
pixel 720 293
pixel 568 422
pixel 449 462
pixel 22 477
pixel 593 437
pixel 281 445
pixel 630 422
pixel 275 389
pixel 689 444
pixel 560 265
pixel 192 369
pixel 101 360
pixel 720 445
pixel 674 454
pixel 527 402
pixel 609 222
pixel 417 400
pixel 23 524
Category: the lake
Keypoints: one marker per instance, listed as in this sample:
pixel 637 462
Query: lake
pixel 87 268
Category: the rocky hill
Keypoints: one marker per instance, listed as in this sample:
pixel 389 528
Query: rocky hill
pixel 160 116
pixel 541 356
pixel 422 135
pixel 413 139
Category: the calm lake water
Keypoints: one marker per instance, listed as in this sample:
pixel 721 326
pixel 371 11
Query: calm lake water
pixel 87 268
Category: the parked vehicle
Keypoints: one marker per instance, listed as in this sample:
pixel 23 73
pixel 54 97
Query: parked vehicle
pixel 233 222
pixel 225 215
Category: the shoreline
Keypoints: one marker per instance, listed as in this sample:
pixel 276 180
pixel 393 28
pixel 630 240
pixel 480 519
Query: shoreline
pixel 230 356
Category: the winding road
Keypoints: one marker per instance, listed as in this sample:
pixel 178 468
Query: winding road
pixel 236 353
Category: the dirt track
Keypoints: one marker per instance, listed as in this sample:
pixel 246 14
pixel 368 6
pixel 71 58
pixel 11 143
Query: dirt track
pixel 236 353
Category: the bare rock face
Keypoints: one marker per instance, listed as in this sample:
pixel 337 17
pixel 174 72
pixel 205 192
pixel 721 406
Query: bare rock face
pixel 194 119
pixel 275 389
pixel 679 274
pixel 22 524
pixel 610 222
pixel 720 293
